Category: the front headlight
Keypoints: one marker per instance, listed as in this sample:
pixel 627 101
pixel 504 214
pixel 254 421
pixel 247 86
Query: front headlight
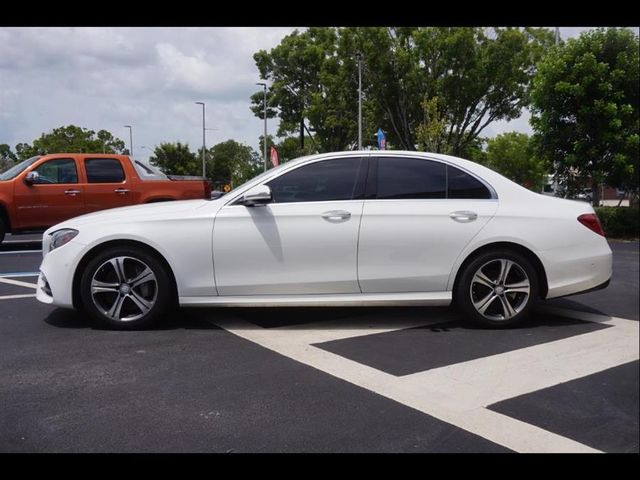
pixel 61 237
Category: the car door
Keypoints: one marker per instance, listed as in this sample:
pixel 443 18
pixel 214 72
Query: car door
pixel 303 242
pixel 107 185
pixel 418 217
pixel 55 197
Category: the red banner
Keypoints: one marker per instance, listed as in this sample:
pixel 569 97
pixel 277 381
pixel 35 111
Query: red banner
pixel 275 158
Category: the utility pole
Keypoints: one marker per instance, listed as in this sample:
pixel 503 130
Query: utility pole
pixel 204 146
pixel 359 57
pixel 130 139
pixel 264 85
pixel 557 35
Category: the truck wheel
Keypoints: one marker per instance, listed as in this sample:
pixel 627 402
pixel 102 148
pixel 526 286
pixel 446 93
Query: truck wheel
pixel 3 229
pixel 126 288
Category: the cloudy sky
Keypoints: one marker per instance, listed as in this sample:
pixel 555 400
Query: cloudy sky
pixel 105 78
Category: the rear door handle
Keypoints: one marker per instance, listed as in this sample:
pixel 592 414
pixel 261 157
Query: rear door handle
pixel 73 193
pixel 463 216
pixel 336 215
pixel 121 191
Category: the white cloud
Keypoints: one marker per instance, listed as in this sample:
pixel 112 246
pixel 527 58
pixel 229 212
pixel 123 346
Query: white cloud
pixel 146 77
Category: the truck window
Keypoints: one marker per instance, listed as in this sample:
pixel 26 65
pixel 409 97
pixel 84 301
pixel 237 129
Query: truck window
pixel 60 170
pixel 104 170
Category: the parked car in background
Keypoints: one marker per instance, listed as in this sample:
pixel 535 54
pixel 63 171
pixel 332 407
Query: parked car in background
pixel 346 228
pixel 45 190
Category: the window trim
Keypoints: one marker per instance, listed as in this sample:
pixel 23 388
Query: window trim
pixel 359 187
pixel 372 185
pixel 124 173
pixel 75 164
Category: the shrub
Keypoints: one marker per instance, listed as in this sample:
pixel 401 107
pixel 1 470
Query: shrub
pixel 619 222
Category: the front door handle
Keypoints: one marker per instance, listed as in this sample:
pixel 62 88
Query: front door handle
pixel 336 215
pixel 73 193
pixel 463 216
pixel 121 191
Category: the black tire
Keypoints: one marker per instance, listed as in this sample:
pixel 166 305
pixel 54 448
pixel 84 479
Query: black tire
pixel 156 293
pixel 471 291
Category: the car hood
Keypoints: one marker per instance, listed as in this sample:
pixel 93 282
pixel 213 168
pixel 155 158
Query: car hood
pixel 155 211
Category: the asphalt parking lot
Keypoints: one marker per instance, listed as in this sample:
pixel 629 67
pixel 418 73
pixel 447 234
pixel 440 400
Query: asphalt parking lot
pixel 320 380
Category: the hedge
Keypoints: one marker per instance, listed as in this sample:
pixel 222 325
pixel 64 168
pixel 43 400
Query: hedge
pixel 619 222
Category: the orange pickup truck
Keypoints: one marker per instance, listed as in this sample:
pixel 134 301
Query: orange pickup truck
pixel 44 190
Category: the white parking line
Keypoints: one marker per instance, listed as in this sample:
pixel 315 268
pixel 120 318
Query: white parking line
pixel 16 252
pixel 11 297
pixel 459 393
pixel 485 381
pixel 18 274
pixel 431 400
pixel 18 283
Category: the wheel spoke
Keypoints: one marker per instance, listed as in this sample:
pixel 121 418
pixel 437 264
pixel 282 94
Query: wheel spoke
pixel 143 305
pixel 100 287
pixel 482 279
pixel 520 287
pixel 507 309
pixel 114 311
pixel 505 268
pixel 145 276
pixel 482 305
pixel 118 266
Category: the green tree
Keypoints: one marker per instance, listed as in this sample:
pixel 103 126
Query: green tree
pixel 72 139
pixel 479 75
pixel 233 163
pixel 7 157
pixel 511 154
pixel 585 109
pixel 176 159
pixel 312 78
pixel 431 134
pixel 24 151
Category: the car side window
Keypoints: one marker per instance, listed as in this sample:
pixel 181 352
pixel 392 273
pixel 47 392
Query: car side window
pixel 104 170
pixel 462 185
pixel 60 170
pixel 410 178
pixel 322 181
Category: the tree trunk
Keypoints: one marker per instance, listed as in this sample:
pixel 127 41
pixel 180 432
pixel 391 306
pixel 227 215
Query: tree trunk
pixel 595 194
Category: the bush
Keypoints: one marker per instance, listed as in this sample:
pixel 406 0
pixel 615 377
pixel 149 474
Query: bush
pixel 619 222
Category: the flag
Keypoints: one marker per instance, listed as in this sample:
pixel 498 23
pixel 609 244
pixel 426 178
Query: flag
pixel 382 141
pixel 275 159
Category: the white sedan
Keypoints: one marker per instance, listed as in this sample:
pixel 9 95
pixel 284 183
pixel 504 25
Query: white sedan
pixel 347 228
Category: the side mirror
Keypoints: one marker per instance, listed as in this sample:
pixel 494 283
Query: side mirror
pixel 259 195
pixel 31 178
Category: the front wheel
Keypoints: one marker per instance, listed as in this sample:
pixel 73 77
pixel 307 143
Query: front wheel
pixel 497 289
pixel 126 288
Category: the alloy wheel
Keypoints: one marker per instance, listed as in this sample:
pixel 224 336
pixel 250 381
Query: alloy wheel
pixel 124 288
pixel 500 289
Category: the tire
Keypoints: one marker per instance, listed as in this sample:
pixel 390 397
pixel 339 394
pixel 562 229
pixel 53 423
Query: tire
pixel 126 288
pixel 486 299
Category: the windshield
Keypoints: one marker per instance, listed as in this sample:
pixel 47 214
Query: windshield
pixel 17 169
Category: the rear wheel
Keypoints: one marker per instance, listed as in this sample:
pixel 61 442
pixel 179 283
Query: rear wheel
pixel 126 288
pixel 497 289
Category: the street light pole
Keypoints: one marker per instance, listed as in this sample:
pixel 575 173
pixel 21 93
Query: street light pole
pixel 359 56
pixel 130 139
pixel 264 85
pixel 203 140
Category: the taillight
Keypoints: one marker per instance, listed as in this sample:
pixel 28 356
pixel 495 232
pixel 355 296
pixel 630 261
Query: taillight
pixel 591 221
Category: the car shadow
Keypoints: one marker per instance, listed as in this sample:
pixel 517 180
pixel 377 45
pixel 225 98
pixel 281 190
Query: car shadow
pixel 436 319
pixel 183 319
